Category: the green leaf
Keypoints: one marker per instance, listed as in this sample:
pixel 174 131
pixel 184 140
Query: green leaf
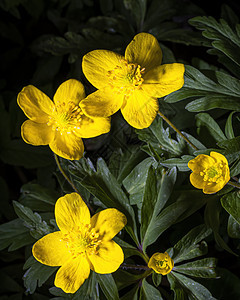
pixel 149 292
pixel 157 278
pixel 36 275
pixel 180 163
pixel 37 197
pixel 228 15
pixel 132 294
pixel 231 203
pixel 14 235
pixel 38 227
pixel 233 228
pixel 212 219
pixel 179 293
pixel 138 10
pixel 205 120
pixel 231 147
pixel 155 197
pixel 176 212
pixel 108 286
pixel 229 128
pixel 191 245
pixel 195 289
pixel 135 182
pixel 204 268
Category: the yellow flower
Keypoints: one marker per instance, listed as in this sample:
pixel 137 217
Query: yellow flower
pixel 161 263
pixel 83 243
pixel 131 83
pixel 210 173
pixel 60 123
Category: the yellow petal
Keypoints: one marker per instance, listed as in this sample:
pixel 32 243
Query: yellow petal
pixel 72 274
pixel 145 51
pixel 213 187
pixel 200 163
pixel 35 104
pixel 36 133
pixel 197 180
pixel 108 223
pixel 71 90
pixel 140 110
pixel 109 258
pixel 91 127
pixel 51 250
pixel 164 80
pixel 219 157
pixel 96 65
pixel 71 212
pixel 102 103
pixel 68 146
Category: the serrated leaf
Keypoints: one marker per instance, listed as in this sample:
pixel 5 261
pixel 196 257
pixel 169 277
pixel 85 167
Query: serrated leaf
pixel 180 163
pixel 203 268
pixel 190 245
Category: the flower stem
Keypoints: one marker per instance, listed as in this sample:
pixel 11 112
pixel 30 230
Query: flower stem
pixel 175 129
pixel 234 184
pixel 134 267
pixel 70 182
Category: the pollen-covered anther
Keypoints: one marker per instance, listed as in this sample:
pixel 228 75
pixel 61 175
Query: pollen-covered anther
pixel 212 174
pixel 66 117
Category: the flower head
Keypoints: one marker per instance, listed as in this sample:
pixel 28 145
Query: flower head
pixel 210 172
pixel 132 82
pixel 60 123
pixel 83 243
pixel 161 263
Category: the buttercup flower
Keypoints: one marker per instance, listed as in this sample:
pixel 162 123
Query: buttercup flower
pixel 60 123
pixel 131 83
pixel 210 173
pixel 161 263
pixel 83 243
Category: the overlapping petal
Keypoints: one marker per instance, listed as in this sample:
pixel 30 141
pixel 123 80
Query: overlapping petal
pixel 144 50
pixel 164 79
pixel 108 223
pixel 72 274
pixel 36 133
pixel 161 263
pixel 197 180
pixel 102 103
pixel 109 258
pixel 71 212
pixel 68 146
pixel 140 110
pixel 51 250
pixel 96 65
pixel 71 90
pixel 200 162
pixel 219 157
pixel 35 104
pixel 91 127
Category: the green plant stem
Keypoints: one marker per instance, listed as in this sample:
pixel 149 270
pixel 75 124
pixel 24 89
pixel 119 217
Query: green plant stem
pixel 175 129
pixel 70 182
pixel 234 184
pixel 134 267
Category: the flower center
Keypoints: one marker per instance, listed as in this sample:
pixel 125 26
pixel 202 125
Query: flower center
pixel 125 78
pixel 162 264
pixel 83 240
pixel 213 173
pixel 66 117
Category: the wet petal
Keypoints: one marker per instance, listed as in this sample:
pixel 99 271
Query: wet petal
pixel 68 146
pixel 144 50
pixel 140 110
pixel 36 133
pixel 72 274
pixel 164 80
pixel 51 250
pixel 71 212
pixel 102 103
pixel 197 180
pixel 35 104
pixel 71 90
pixel 201 162
pixel 109 258
pixel 91 127
pixel 108 223
pixel 97 63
